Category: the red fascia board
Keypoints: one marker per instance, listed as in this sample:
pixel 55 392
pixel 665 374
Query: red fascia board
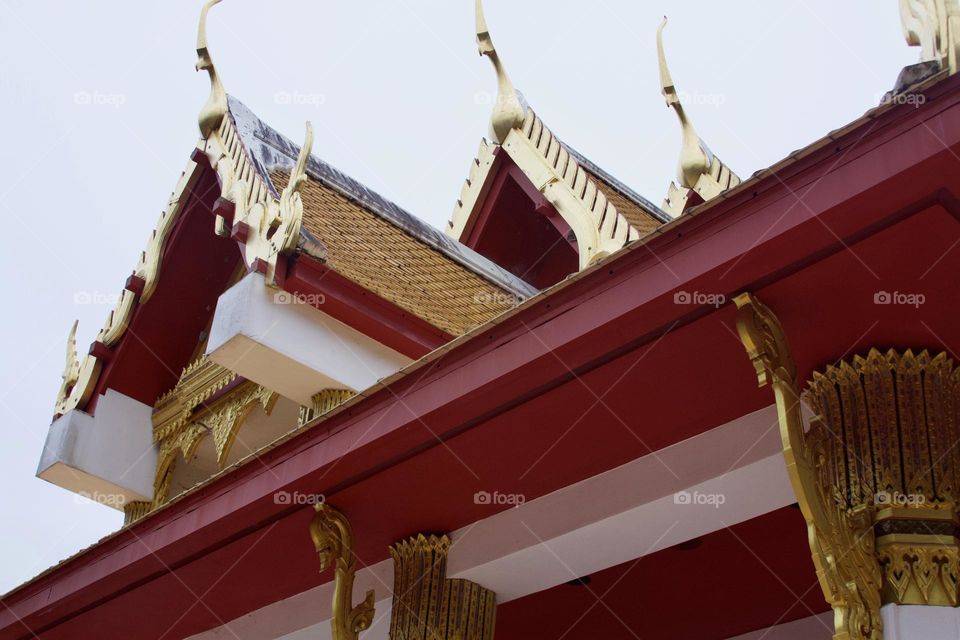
pixel 363 310
pixel 156 366
pixel 584 322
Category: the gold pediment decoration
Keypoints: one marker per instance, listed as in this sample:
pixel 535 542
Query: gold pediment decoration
pixel 208 400
pixel 198 383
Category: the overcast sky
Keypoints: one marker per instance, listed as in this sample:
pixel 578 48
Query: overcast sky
pixel 100 102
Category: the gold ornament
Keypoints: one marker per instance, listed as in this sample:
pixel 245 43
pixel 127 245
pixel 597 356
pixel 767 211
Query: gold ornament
pixel 333 540
pixel 429 606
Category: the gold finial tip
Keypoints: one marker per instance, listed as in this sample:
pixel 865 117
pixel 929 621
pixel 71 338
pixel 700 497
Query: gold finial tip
pixel 216 107
pixel 202 29
pixel 484 41
pixel 667 87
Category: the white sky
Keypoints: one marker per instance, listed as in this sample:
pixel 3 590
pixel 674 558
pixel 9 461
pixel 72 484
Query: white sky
pixel 399 99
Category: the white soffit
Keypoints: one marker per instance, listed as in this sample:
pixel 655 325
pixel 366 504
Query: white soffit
pixel 109 457
pixel 268 336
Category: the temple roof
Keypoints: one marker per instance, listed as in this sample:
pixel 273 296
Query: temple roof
pixel 593 211
pixel 383 258
pixel 386 232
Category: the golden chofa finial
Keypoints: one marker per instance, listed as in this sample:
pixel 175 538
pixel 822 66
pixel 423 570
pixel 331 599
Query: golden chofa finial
pixel 508 111
pixel 694 155
pixel 699 170
pixel 216 107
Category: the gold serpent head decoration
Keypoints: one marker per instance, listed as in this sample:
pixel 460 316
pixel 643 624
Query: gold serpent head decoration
pixel 508 111
pixel 329 531
pixel 215 109
pixel 699 171
pixel 695 156
pixel 333 540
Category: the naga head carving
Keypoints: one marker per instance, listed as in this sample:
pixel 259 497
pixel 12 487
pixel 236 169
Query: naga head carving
pixel 331 536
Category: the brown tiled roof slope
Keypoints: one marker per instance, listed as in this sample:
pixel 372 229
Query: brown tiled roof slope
pixel 639 218
pixel 384 259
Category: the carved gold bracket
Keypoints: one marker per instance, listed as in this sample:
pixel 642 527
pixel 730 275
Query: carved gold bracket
pixel 429 606
pixel 333 541
pixel 841 538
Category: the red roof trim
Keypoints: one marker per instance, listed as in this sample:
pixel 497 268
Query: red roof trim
pixel 361 309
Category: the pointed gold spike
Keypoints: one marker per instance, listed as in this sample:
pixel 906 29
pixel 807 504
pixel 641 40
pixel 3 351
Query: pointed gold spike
pixel 216 107
pixel 699 171
pixel 666 80
pixel 508 111
pixel 694 157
